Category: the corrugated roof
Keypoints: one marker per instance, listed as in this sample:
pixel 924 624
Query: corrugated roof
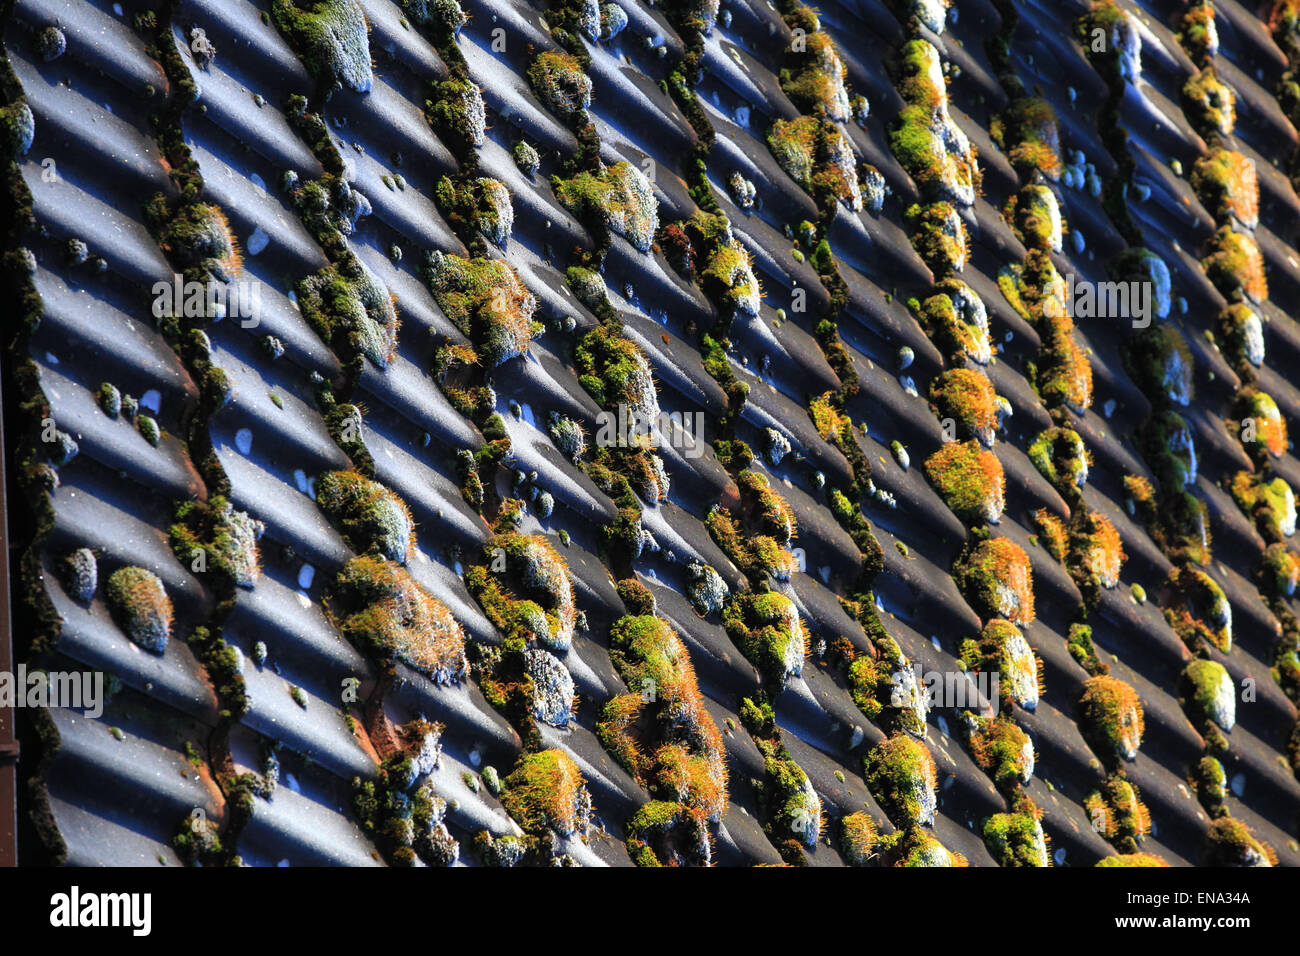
pixel 276 757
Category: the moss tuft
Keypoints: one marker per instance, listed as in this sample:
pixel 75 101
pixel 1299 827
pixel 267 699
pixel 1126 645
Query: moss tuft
pixel 967 397
pixel 1210 103
pixel 1235 265
pixel 901 776
pixel 350 307
pixel 368 515
pixel 969 479
pixel 858 837
pixel 1062 458
pixel 817 156
pixel 385 612
pixel 560 83
pixel 199 236
pixel 1110 717
pixel 332 37
pixel 767 629
pixel 487 301
pixel 546 791
pixel 141 607
pixel 1225 182
pixel 1016 839
pixel 939 236
pixel 1229 842
pixel 226 537
pixel 618 198
pixel 1118 814
pixel 1197 609
pixel 526 590
pixel 996 579
pixel 1001 648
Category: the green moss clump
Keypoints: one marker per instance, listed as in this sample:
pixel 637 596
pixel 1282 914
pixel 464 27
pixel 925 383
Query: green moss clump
pixel 79 574
pixel 350 307
pixel 1240 335
pixel 198 841
pixel 1118 57
pixel 858 837
pixel 1166 444
pixel 588 285
pixel 1002 649
pixel 109 399
pixel 141 607
pixel 929 146
pixel 618 198
pixel 767 629
pixel 226 537
pixel 457 112
pixel 445 16
pixel 1161 364
pixel 526 157
pixel 1118 814
pixel 560 83
pixel 1016 839
pixel 615 371
pixel 970 481
pixel 939 237
pixel 957 320
pixel 1061 373
pixel 333 38
pixel 526 590
pixel 546 791
pixel 1132 859
pixel 814 80
pixel 198 236
pixel 1210 103
pixel 1197 609
pixel 817 156
pixel 1235 265
pixel 1209 693
pixel 482 203
pixel 901 775
pixel 759 542
pixel 368 515
pixel 1062 458
pixel 1270 503
pixel 1001 749
pixel 729 271
pixel 1198 33
pixel 385 612
pixel 17 129
pixel 1110 717
pixel 920 79
pixel 1032 138
pixel 1229 842
pixel 1279 571
pixel 1096 553
pixel 661 731
pixel 997 580
pixel 1035 217
pixel 887 686
pixel 914 847
pixel 668 831
pixel 1256 410
pixel 967 397
pixel 1226 183
pixel 487 301
pixel 794 809
pixel 636 597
